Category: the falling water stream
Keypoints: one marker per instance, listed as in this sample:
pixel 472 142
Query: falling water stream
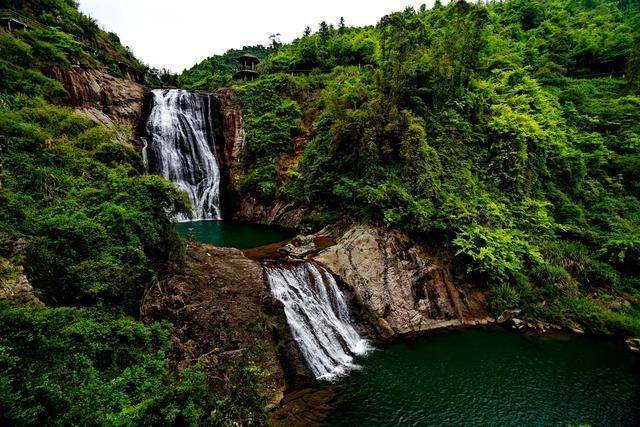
pixel 318 316
pixel 180 147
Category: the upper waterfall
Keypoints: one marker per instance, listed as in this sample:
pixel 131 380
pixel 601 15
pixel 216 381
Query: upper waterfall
pixel 318 316
pixel 180 146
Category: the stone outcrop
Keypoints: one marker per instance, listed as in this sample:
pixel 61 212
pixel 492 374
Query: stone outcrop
pixel 232 133
pixel 401 287
pixel 633 344
pixel 14 285
pixel 221 308
pixel 102 97
pixel 281 213
pixel 231 148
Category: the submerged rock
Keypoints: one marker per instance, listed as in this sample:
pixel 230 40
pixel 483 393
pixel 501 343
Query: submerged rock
pixel 400 286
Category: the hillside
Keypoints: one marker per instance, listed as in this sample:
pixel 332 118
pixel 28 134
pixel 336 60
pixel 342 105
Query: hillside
pixel 83 232
pixel 498 142
pixel 504 137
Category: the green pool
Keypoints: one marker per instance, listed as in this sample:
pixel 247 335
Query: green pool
pixel 484 377
pixel 241 235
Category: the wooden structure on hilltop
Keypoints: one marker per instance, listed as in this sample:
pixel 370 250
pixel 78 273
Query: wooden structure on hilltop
pixel 12 21
pixel 247 67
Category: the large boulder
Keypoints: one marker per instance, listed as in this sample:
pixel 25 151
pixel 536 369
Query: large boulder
pixel 401 287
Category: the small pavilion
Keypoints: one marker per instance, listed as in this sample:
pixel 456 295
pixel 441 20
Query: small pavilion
pixel 247 67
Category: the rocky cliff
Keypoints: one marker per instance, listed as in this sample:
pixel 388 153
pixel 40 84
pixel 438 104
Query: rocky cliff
pixel 231 145
pixel 102 97
pixel 221 308
pixel 401 287
pixel 232 136
pixel 14 285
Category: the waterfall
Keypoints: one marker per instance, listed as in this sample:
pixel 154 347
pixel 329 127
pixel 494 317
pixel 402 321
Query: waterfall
pixel 318 316
pixel 180 147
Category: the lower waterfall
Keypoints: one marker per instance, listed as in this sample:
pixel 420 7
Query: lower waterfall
pixel 180 146
pixel 318 316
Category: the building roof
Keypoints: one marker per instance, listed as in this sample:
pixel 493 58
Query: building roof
pixel 248 57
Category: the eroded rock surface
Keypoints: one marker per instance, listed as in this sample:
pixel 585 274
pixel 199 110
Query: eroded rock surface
pixel 102 97
pixel 281 213
pixel 14 285
pixel 232 129
pixel 221 308
pixel 401 287
pixel 239 205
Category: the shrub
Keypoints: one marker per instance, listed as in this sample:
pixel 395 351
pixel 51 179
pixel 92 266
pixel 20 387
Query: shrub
pixel 503 298
pixel 496 255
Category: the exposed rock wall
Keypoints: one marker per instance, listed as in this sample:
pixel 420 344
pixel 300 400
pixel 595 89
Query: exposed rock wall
pixel 281 213
pixel 231 148
pixel 14 285
pixel 401 287
pixel 102 97
pixel 232 133
pixel 221 307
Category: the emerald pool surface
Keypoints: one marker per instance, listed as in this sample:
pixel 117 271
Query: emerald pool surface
pixel 241 235
pixel 489 377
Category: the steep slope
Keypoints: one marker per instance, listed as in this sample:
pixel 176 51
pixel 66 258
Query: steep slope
pixel 503 135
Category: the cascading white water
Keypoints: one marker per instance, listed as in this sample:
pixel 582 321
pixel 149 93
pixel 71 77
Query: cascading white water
pixel 180 146
pixel 318 316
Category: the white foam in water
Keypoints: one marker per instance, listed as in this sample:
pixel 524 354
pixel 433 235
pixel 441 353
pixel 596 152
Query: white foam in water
pixel 318 316
pixel 180 147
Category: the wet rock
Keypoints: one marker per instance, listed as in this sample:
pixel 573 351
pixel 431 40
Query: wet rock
pixel 307 407
pixel 279 212
pixel 576 329
pixel 633 344
pixel 300 246
pixel 508 315
pixel 517 323
pixel 400 286
pixel 221 308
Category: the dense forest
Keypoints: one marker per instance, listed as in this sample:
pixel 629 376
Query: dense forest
pixel 503 136
pixel 90 230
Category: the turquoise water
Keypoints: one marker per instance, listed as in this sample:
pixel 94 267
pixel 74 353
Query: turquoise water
pixel 241 235
pixel 492 377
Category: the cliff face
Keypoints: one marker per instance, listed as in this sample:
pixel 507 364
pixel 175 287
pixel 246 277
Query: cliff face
pixel 231 148
pixel 232 136
pixel 14 285
pixel 222 310
pixel 401 288
pixel 102 97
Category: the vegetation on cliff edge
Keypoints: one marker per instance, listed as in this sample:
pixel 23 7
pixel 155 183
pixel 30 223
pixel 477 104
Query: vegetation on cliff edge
pixel 504 135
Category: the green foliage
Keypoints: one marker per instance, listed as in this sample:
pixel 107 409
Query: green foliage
pixel 272 121
pixel 68 366
pixel 503 298
pixel 496 255
pixel 217 70
pixel 96 226
pixel 507 132
pixel 70 36
pixel 91 231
